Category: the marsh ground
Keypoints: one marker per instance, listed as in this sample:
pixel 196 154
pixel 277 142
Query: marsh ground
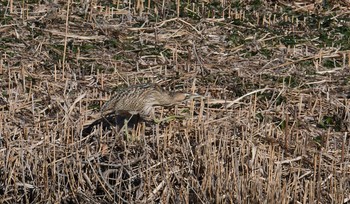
pixel 285 141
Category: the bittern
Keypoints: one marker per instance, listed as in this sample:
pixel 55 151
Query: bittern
pixel 140 99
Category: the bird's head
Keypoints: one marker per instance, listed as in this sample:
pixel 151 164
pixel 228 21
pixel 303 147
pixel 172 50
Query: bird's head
pixel 179 97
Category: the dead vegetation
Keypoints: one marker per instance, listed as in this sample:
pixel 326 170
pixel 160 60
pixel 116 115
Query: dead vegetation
pixel 285 141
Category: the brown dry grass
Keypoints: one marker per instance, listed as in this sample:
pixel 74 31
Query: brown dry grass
pixel 285 143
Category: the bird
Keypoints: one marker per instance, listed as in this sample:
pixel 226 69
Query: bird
pixel 140 99
pixel 137 100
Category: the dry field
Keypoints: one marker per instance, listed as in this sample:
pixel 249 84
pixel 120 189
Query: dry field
pixel 272 126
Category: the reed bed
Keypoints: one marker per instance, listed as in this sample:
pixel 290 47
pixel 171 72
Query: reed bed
pixel 272 126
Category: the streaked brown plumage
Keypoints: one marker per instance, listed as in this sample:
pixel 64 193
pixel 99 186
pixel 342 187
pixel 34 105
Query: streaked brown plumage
pixel 140 99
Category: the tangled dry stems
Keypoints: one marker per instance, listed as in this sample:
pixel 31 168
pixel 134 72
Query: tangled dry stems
pixel 286 142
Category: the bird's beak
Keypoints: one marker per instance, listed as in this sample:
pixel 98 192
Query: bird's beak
pixel 195 95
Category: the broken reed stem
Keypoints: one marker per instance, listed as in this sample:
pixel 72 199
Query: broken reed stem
pixel 65 39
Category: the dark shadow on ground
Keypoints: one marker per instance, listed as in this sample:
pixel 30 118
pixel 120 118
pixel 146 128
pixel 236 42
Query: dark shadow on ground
pixel 117 121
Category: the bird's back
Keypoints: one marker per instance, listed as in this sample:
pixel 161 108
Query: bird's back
pixel 135 99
